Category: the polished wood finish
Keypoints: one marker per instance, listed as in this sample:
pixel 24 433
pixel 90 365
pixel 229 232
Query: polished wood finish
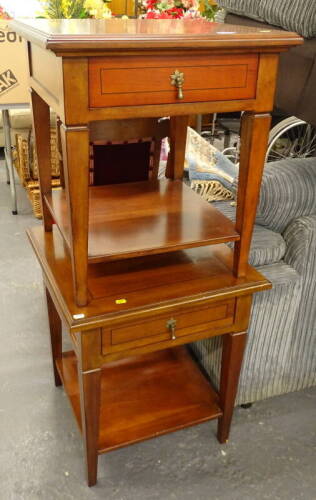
pixel 75 145
pixel 159 273
pixel 121 69
pixel 96 36
pixel 41 126
pixel 90 396
pixel 145 396
pixel 122 216
pixel 55 328
pixel 178 138
pixel 152 285
pixel 132 80
pixel 254 140
pixel 232 355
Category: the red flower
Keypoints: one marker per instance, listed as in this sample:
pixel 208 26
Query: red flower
pixel 152 15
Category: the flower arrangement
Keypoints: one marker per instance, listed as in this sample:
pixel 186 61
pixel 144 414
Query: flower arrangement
pixel 78 9
pixel 4 14
pixel 175 9
pixel 169 9
pixel 98 8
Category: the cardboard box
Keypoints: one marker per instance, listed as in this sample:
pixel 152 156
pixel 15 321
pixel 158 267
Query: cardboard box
pixel 13 67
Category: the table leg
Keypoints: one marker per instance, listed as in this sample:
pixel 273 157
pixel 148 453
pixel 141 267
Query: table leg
pixel 75 145
pixel 233 350
pixel 89 384
pixel 254 139
pixel 41 125
pixel 8 158
pixel 55 328
pixel 178 139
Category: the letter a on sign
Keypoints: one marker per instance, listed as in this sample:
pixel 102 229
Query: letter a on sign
pixel 7 81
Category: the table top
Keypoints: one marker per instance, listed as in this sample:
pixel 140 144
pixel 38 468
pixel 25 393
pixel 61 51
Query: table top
pixel 152 283
pixel 100 34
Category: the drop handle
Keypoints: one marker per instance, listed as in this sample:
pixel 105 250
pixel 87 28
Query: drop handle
pixel 177 79
pixel 171 326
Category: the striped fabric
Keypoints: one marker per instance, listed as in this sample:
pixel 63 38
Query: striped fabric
pixel 280 355
pixel 267 247
pixel 288 190
pixel 300 237
pixel 266 369
pixel 249 8
pixel 292 15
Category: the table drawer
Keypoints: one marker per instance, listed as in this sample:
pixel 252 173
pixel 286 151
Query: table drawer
pixel 168 329
pixel 129 81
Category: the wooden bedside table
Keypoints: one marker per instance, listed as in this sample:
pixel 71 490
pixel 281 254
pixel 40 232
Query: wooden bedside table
pixel 138 270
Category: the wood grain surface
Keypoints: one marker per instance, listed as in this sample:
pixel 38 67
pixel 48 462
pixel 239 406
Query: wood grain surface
pixel 143 218
pixel 145 396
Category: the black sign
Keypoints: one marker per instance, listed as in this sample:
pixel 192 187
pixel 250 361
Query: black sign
pixel 7 81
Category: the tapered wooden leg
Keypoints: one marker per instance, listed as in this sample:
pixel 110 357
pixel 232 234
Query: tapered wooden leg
pixel 90 412
pixel 55 328
pixel 254 139
pixel 178 138
pixel 75 145
pixel 41 125
pixel 233 350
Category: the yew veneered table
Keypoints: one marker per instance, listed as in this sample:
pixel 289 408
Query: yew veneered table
pixel 137 271
pixel 93 70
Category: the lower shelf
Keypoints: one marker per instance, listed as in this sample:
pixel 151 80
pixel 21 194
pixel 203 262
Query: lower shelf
pixel 145 396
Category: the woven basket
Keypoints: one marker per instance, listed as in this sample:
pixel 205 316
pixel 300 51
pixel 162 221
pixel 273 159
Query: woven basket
pixel 54 156
pixel 21 162
pixel 27 168
pixel 34 196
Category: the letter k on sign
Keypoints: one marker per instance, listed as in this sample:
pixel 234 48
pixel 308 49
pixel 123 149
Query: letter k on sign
pixel 7 81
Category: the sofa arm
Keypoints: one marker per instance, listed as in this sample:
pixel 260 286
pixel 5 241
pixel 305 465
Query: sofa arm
pixel 301 255
pixel 300 238
pixel 288 191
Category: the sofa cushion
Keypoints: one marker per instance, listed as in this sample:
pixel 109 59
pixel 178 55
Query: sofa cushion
pixel 267 247
pixel 247 8
pixel 296 15
pixel 288 191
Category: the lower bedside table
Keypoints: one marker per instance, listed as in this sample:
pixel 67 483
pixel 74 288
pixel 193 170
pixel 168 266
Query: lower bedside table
pixel 130 376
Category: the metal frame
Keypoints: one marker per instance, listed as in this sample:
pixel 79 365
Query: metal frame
pixel 8 149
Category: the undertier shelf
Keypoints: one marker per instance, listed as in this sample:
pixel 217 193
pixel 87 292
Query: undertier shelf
pixel 145 396
pixel 143 218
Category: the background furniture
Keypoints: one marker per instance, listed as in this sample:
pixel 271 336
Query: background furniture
pixel 131 309
pixel 13 93
pixel 20 123
pixel 280 356
pixel 295 93
pixel 7 133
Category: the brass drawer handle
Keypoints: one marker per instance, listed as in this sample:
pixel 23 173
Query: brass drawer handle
pixel 171 326
pixel 177 79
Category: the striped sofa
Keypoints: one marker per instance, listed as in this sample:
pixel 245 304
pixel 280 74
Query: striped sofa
pixel 281 350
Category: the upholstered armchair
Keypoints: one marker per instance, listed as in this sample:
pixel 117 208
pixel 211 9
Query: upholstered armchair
pixel 281 351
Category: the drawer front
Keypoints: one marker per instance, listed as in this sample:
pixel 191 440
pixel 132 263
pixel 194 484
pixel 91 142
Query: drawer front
pixel 168 329
pixel 131 81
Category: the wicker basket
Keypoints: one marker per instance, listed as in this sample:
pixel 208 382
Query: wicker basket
pixel 22 163
pixel 27 168
pixel 34 195
pixel 54 156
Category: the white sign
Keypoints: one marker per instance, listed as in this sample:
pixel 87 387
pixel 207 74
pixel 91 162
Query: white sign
pixel 13 67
